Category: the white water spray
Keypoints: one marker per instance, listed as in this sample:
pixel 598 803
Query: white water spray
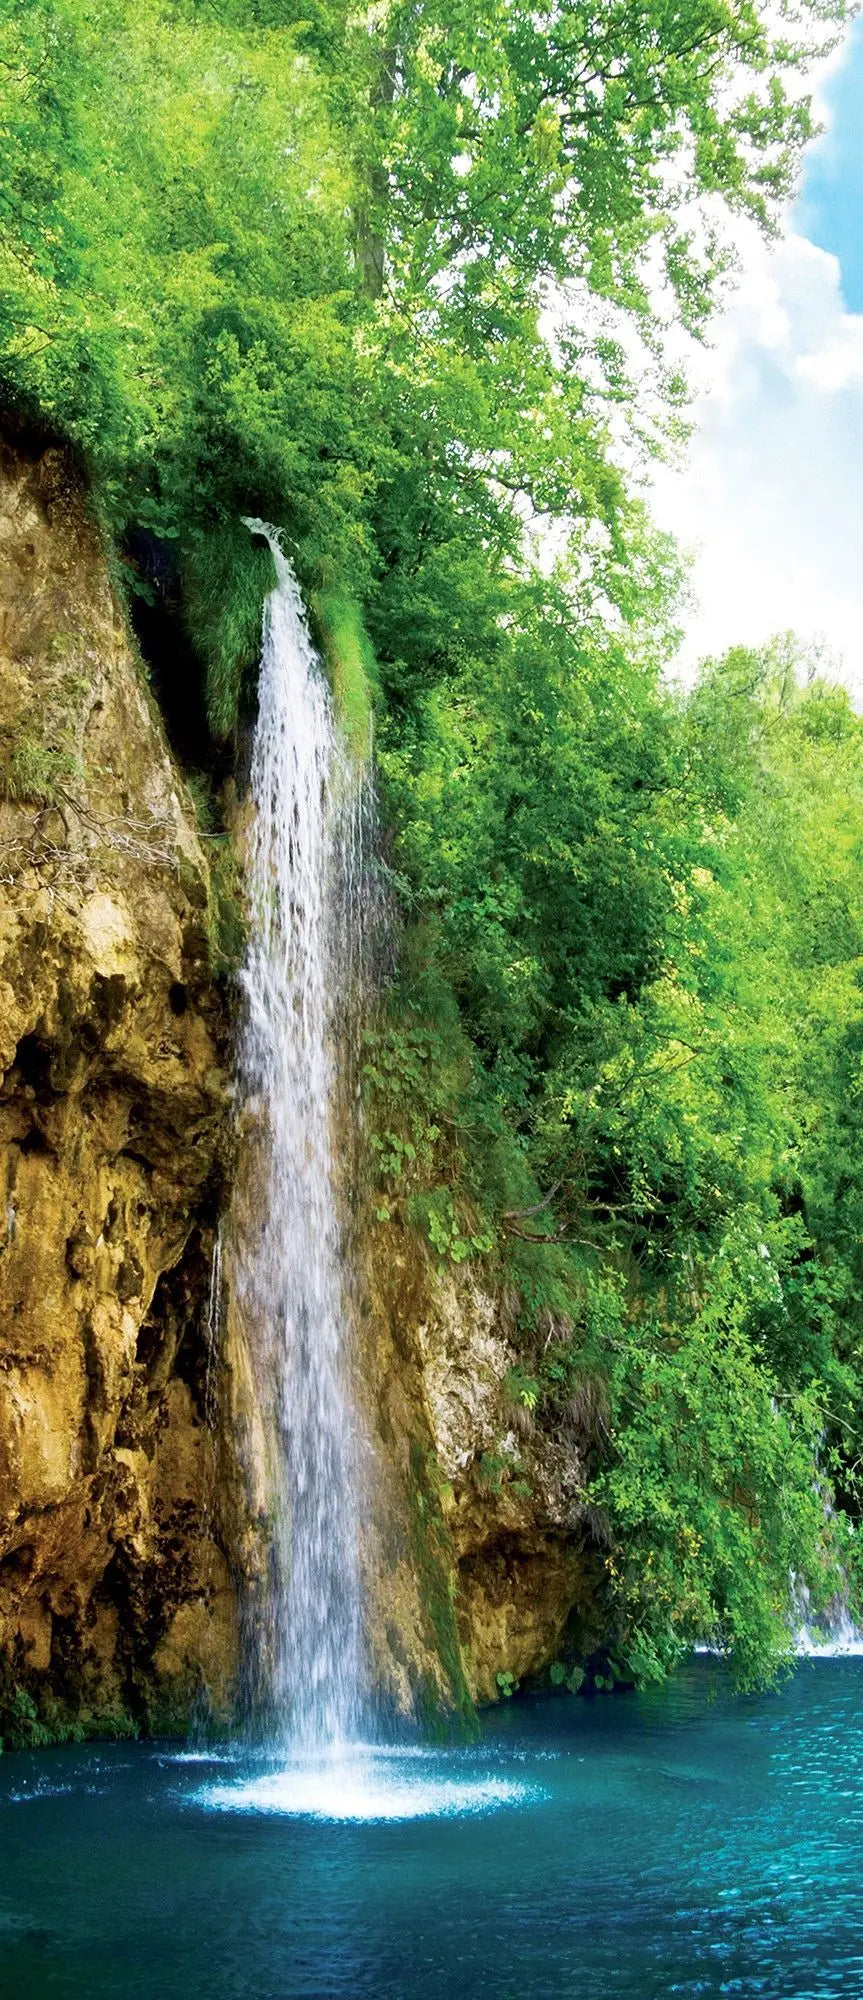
pixel 830 1635
pixel 288 1258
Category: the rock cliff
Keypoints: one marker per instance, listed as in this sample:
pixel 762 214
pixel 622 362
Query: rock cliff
pixel 115 1600
pixel 482 1569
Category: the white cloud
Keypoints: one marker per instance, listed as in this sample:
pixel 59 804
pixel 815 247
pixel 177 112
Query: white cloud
pixel 771 497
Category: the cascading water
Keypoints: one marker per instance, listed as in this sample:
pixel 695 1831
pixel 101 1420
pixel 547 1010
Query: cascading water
pixel 830 1634
pixel 287 1255
pixel 313 913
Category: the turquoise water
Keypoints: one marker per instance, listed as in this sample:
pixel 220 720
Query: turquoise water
pixel 676 1843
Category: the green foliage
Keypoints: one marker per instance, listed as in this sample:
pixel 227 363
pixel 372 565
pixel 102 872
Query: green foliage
pixel 709 1486
pixel 588 135
pixel 254 263
pixel 26 1724
pixel 562 1675
pixel 654 933
pixel 351 666
pixel 227 934
pixel 23 1728
pixel 415 1081
pixel 178 297
pixel 227 576
pixel 447 1228
pixel 524 1389
pixel 490 1472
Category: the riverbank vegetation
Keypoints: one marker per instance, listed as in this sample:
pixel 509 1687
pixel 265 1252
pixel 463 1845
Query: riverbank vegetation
pixel 403 283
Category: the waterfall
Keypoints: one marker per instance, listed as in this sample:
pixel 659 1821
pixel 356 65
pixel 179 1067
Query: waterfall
pixel 830 1634
pixel 305 884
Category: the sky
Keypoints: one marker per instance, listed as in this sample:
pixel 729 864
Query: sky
pixel 770 500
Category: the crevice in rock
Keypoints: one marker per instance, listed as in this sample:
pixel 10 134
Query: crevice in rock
pixel 157 620
pixel 32 1062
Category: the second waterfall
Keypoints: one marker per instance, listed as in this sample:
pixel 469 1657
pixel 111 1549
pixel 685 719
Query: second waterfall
pixel 305 894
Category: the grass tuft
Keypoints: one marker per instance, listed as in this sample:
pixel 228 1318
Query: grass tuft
pixel 227 577
pixel 351 666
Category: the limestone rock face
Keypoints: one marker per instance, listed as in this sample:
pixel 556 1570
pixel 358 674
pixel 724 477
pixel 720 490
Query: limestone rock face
pixel 115 1597
pixel 479 1563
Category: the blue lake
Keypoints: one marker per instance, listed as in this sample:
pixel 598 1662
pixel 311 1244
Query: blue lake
pixel 682 1842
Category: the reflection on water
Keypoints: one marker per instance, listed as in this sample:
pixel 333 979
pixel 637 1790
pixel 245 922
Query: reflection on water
pixel 677 1843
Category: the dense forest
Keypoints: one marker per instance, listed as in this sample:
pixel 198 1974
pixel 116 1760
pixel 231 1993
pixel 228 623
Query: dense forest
pixel 403 282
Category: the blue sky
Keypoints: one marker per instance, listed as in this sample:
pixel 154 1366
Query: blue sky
pixel 830 208
pixel 770 501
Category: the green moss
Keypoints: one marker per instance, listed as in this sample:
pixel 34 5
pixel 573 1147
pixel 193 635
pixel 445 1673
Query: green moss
pixel 225 902
pixel 227 577
pixel 226 915
pixel 490 1472
pixel 40 764
pixel 37 773
pixel 432 1553
pixel 205 807
pixel 172 1714
pixel 351 667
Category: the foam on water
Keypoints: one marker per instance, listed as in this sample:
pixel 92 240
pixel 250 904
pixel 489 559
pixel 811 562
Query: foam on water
pixel 370 1785
pixel 810 1643
pixel 196 1757
pixel 842 1645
